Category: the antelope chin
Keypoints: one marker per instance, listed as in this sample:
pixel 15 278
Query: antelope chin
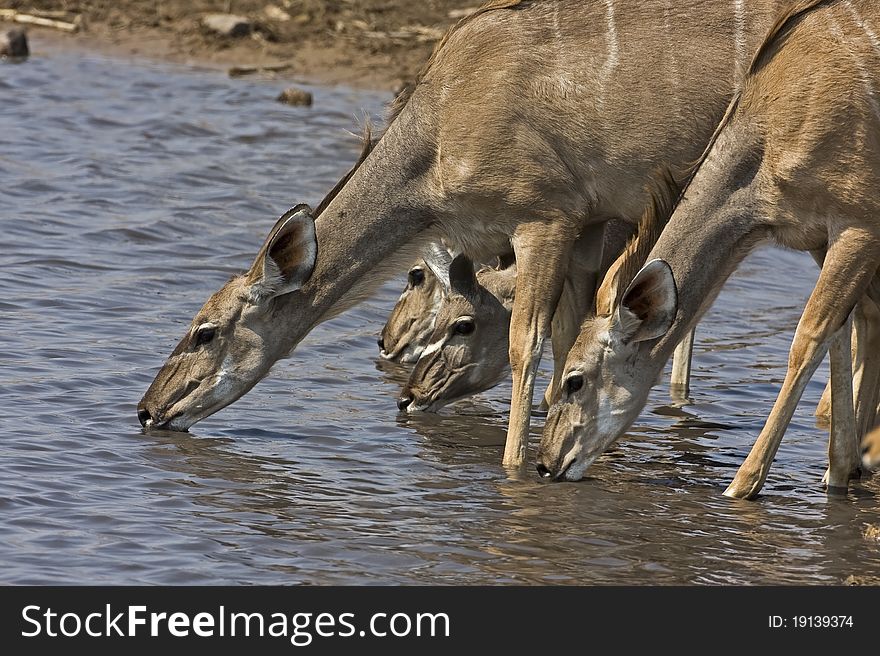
pixel 422 407
pixel 576 469
pixel 177 424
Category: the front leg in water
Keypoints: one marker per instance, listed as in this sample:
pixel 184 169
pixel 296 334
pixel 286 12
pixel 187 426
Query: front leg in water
pixel 680 381
pixel 542 251
pixel 843 442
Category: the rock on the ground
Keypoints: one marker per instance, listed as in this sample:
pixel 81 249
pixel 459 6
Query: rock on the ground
pixel 276 13
pixel 227 24
pixel 14 44
pixel 294 96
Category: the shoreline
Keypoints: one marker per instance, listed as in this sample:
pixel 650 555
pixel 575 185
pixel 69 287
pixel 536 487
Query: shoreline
pixel 372 44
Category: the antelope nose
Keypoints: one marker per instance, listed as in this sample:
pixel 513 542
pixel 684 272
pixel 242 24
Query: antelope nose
pixel 543 471
pixel 404 402
pixel 381 343
pixel 144 416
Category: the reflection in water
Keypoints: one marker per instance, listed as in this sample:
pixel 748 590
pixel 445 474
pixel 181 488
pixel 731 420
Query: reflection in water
pixel 132 191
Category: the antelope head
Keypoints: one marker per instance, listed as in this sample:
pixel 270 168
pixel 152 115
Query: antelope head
pixel 409 327
pixel 235 338
pixel 468 350
pixel 608 374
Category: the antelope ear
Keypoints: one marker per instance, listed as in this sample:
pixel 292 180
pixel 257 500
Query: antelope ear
pixel 287 258
pixel 462 279
pixel 649 304
pixel 608 287
pixel 438 260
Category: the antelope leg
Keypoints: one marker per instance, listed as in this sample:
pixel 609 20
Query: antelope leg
pixel 542 251
pixel 843 454
pixel 842 282
pixel 680 381
pixel 866 383
pixel 823 408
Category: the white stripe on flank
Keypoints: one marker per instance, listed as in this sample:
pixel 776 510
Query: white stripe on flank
pixel 860 65
pixel 556 31
pixel 667 25
pixel 613 57
pixel 869 32
pixel 674 80
pixel 739 44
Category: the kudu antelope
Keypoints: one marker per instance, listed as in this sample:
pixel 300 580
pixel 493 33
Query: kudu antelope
pixel 532 123
pixel 458 363
pixel 467 352
pixel 795 161
pixel 408 329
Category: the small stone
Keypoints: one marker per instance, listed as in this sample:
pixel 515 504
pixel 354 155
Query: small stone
pixel 14 44
pixel 296 97
pixel 227 25
pixel 872 532
pixel 276 13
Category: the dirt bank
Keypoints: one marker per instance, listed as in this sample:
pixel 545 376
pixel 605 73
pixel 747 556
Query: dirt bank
pixel 363 43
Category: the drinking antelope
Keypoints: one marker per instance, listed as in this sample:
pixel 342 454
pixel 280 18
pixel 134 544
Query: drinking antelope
pixel 795 161
pixel 468 345
pixel 532 123
pixel 467 352
pixel 411 322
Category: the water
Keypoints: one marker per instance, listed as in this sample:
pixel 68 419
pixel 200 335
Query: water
pixel 132 191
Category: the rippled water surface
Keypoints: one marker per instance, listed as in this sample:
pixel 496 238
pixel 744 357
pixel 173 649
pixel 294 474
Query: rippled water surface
pixel 132 191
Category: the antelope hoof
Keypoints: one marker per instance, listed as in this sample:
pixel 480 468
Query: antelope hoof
pixel 743 489
pixel 841 484
pixel 514 460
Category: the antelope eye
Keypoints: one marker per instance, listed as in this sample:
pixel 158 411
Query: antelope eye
pixel 416 277
pixel 573 383
pixel 464 327
pixel 205 333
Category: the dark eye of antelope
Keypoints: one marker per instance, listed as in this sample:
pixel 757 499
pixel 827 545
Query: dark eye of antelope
pixel 205 333
pixel 573 383
pixel 416 277
pixel 464 326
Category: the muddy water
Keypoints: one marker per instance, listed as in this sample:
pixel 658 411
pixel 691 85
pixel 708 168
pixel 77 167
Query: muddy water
pixel 131 191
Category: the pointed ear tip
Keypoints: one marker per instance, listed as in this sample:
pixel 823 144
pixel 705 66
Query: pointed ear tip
pixel 299 211
pixel 657 270
pixel 658 264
